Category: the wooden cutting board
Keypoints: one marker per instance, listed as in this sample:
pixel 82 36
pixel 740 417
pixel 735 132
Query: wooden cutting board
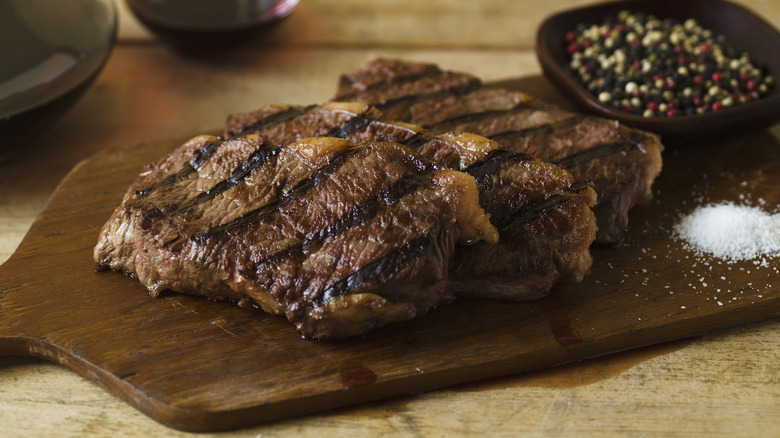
pixel 199 365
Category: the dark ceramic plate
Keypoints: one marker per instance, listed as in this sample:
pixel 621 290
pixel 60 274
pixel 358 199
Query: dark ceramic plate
pixel 740 26
pixel 50 52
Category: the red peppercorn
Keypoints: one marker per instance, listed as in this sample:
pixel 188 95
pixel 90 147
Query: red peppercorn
pixel 688 79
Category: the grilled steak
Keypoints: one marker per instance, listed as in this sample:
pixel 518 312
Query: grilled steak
pixel 338 237
pixel 618 162
pixel 544 216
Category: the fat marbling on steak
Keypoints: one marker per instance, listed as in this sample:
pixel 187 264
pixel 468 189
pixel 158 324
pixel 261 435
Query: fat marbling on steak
pixel 620 163
pixel 543 216
pixel 338 237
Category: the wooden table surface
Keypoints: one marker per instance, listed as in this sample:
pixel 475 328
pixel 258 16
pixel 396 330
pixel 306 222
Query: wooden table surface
pixel 720 384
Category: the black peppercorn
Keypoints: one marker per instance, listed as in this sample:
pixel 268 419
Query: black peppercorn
pixel 662 67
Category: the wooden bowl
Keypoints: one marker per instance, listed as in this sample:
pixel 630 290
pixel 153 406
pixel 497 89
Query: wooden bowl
pixel 740 27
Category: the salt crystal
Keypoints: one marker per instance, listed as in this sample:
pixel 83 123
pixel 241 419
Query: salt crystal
pixel 732 232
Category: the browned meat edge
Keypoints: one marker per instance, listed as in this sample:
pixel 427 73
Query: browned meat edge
pixel 544 216
pixel 620 163
pixel 338 237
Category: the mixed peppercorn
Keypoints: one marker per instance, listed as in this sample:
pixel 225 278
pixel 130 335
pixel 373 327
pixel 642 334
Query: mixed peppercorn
pixel 643 65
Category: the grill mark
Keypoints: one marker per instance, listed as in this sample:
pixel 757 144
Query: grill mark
pixel 393 82
pixel 364 211
pixel 400 255
pixel 452 122
pixel 358 215
pixel 532 211
pixel 290 252
pixel 417 140
pixel 412 99
pixel 600 151
pixel 544 129
pixel 493 162
pixel 256 160
pixel 274 119
pixel 199 158
pixel 361 121
pixel 357 123
pixel 300 189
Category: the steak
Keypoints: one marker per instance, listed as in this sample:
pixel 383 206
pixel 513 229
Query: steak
pixel 543 216
pixel 338 237
pixel 620 163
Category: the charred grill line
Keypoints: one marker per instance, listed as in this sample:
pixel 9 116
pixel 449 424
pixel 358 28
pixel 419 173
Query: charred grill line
pixel 364 211
pixel 300 189
pixel 452 123
pixel 255 161
pixel 200 157
pixel 544 129
pixel 429 71
pixel 359 122
pixel 422 97
pixel 417 140
pixel 587 155
pixel 270 260
pixel 246 219
pixel 531 212
pixel 356 216
pixel 274 119
pixel 204 154
pixel 494 161
pixel 400 255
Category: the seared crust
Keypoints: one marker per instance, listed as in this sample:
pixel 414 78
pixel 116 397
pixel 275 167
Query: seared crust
pixel 544 217
pixel 620 163
pixel 338 237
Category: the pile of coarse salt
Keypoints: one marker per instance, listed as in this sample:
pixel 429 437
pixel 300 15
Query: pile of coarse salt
pixel 731 232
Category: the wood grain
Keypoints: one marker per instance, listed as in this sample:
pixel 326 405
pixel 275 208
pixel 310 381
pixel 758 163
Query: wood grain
pixel 198 365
